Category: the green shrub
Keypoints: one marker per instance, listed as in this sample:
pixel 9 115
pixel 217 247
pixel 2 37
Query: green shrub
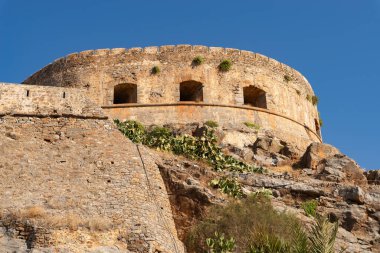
pixel 204 147
pixel 220 244
pixel 310 207
pixel 309 98
pixel 198 60
pixel 159 138
pixel 256 227
pixel 228 186
pixel 287 78
pixel 134 130
pixel 155 70
pixel 314 100
pixel 263 192
pixel 252 222
pixel 225 65
pixel 211 123
pixel 252 125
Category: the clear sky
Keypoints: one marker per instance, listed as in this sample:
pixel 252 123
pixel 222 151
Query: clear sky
pixel 334 43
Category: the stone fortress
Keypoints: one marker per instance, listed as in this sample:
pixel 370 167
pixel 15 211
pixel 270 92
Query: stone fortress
pixel 59 120
pixel 257 89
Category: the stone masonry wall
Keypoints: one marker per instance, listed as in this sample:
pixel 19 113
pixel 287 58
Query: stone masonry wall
pixel 84 171
pixel 99 71
pixel 16 99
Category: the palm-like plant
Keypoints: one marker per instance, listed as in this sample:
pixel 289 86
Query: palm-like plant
pixel 323 236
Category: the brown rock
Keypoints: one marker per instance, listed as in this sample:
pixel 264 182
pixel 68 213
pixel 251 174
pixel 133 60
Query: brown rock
pixel 317 152
pixel 340 168
pixel 352 194
pixel 373 176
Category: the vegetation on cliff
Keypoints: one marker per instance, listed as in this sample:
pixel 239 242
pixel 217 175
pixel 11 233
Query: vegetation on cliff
pixel 203 148
pixel 252 225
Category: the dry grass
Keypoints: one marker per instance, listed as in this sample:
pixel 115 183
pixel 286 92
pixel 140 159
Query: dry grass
pixel 286 168
pixel 99 224
pixel 37 215
pixel 33 212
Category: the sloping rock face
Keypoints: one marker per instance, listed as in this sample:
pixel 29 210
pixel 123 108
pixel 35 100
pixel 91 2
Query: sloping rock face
pixel 335 181
pixel 78 185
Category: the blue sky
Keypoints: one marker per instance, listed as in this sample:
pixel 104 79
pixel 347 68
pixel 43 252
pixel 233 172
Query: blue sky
pixel 335 44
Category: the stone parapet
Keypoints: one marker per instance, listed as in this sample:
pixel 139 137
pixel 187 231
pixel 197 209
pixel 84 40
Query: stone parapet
pixel 45 101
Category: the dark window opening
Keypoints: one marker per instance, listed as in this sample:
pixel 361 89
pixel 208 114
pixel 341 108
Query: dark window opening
pixel 317 127
pixel 125 93
pixel 191 91
pixel 255 97
pixel 27 93
pixel 64 95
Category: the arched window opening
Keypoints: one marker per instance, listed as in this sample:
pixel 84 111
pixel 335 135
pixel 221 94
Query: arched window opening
pixel 191 91
pixel 255 97
pixel 125 93
pixel 317 127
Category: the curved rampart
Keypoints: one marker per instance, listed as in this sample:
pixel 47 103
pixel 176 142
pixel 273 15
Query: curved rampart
pixel 44 101
pixel 99 71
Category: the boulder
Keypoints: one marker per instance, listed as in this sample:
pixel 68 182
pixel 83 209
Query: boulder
pixel 352 194
pixel 272 151
pixel 340 168
pixel 317 152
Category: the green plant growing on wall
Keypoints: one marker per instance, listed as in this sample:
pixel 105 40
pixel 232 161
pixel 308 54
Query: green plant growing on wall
pixel 228 186
pixel 252 125
pixel 220 244
pixel 225 65
pixel 320 121
pixel 309 98
pixel 155 70
pixel 211 123
pixel 198 60
pixel 310 207
pixel 314 100
pixel 287 78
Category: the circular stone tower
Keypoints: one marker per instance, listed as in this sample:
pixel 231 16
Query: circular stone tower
pixel 186 84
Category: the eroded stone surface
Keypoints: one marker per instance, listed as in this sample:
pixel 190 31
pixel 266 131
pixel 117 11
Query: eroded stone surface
pixel 89 182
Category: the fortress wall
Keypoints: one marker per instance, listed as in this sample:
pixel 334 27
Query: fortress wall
pixel 282 127
pixel 98 71
pixel 35 100
pixel 82 171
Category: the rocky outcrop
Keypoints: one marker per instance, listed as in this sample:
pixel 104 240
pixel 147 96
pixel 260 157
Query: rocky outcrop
pixel 373 176
pixel 316 152
pixel 339 168
pixel 334 180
